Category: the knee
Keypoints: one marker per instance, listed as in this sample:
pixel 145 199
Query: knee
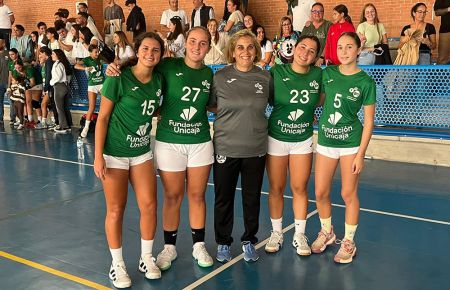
pixel 322 194
pixel 349 196
pixel 171 199
pixel 148 208
pixel 115 212
pixel 276 190
pixel 299 191
pixel 197 197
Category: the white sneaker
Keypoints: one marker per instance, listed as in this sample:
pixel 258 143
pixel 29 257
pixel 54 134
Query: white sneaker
pixel 119 276
pixel 20 127
pixel 201 255
pixel 84 132
pixel 165 258
pixel 275 242
pixel 147 265
pixel 300 242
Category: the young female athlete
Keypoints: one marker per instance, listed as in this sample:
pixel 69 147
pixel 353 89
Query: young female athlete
pixel 123 153
pixel 183 148
pixel 343 139
pixel 296 95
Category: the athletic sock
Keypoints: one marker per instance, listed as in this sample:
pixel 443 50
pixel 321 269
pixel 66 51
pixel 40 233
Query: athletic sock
pixel 300 226
pixel 116 255
pixel 277 224
pixel 39 118
pixel 44 121
pixel 30 118
pixel 350 231
pixel 146 247
pixel 326 224
pixel 198 235
pixel 170 237
pixel 86 125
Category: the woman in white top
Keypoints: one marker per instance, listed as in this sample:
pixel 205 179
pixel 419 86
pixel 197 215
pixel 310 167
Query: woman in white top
pixel 52 37
pixel 266 46
pixel 78 50
pixel 371 32
pixel 236 20
pixel 60 71
pixel 218 42
pixel 175 39
pixel 123 49
pixel 88 38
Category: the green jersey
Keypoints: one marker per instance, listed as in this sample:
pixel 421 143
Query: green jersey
pixel 11 65
pixel 295 99
pixel 339 125
pixel 186 92
pixel 131 119
pixel 30 73
pixel 96 75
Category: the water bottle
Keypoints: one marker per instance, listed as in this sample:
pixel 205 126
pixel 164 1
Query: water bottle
pixel 80 149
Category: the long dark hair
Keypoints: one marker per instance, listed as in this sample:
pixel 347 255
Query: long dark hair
pixel 63 59
pixel 341 8
pixel 178 28
pixel 264 41
pixel 76 36
pixel 87 33
pixel 216 34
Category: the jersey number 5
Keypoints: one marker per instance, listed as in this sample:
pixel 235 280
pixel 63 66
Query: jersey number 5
pixel 304 98
pixel 187 92
pixel 148 107
pixel 337 101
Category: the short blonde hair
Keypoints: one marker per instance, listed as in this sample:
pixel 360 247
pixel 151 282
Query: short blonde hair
pixel 233 41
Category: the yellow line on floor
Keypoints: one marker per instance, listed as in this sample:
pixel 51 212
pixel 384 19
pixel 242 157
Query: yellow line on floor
pixel 53 271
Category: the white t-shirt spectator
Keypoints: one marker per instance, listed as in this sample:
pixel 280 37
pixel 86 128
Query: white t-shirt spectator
pixel 266 48
pixel 301 13
pixel 5 20
pixel 177 45
pixel 168 14
pixel 69 41
pixel 124 54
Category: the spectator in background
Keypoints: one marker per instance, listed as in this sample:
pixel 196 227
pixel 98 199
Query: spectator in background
pixel 442 9
pixel 6 21
pixel 45 59
pixel 82 20
pixel 242 7
pixel 266 46
pixel 82 7
pixel 284 46
pixel 342 22
pixel 250 23
pixel 236 20
pixel 42 39
pixel 34 46
pixel 427 38
pixel 78 49
pixel 175 41
pixel 371 32
pixel 52 37
pixel 218 42
pixel 114 18
pixel 136 19
pixel 201 14
pixel 21 42
pixel 4 59
pixel 300 13
pixel 65 40
pixel 170 13
pixel 123 50
pixel 318 27
pixel 63 15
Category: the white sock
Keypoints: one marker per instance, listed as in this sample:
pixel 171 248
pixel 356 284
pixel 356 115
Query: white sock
pixel 146 247
pixel 116 255
pixel 39 118
pixel 277 224
pixel 350 231
pixel 300 226
pixel 44 121
pixel 86 125
pixel 30 118
pixel 53 119
pixel 326 224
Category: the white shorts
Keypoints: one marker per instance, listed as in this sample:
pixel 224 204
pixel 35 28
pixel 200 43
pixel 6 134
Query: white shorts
pixel 95 89
pixel 126 162
pixel 281 148
pixel 335 153
pixel 37 88
pixel 177 157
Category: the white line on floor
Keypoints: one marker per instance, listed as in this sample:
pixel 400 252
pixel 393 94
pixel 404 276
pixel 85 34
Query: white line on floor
pixel 46 158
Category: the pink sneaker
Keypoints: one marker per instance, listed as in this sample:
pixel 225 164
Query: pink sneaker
pixel 323 240
pixel 346 252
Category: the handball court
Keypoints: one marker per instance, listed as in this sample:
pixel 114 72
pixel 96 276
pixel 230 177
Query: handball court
pixel 52 228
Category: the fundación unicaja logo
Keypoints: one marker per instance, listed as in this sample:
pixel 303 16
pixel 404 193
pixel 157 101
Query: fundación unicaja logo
pixel 333 119
pixel 142 131
pixel 355 92
pixel 188 113
pixel 294 115
pixel 314 84
pixel 259 88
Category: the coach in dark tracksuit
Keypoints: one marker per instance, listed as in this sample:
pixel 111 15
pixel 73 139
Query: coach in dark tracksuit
pixel 240 95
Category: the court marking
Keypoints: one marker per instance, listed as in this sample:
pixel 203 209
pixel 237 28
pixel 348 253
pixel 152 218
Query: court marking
pixel 238 258
pixel 46 158
pixel 53 271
